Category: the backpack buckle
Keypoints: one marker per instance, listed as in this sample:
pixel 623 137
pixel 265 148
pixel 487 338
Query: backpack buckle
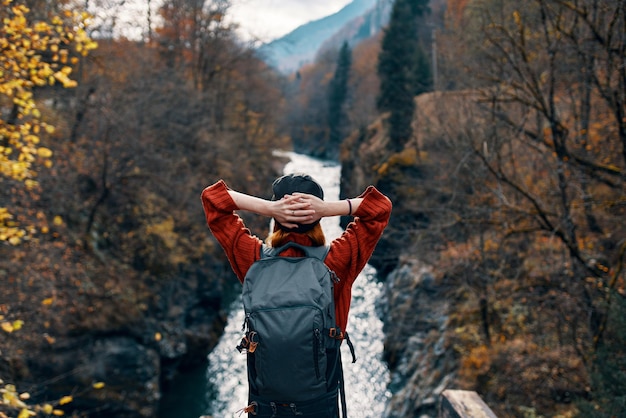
pixel 249 342
pixel 253 339
pixel 335 333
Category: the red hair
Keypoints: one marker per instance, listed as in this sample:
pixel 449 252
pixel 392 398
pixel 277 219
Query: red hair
pixel 280 237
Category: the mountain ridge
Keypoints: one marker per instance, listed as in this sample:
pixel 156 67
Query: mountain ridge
pixel 300 46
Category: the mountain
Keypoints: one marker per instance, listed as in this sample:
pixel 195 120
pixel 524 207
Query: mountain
pixel 358 20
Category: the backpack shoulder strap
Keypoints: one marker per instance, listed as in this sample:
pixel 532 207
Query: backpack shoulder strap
pixel 267 251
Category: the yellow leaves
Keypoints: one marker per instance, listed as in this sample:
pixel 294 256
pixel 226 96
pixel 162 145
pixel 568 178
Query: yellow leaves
pixel 517 18
pixel 11 398
pixel 65 80
pixel 41 27
pixel 9 230
pixel 33 54
pixel 48 128
pixel 165 230
pixel 49 410
pixel 30 184
pixel 44 152
pixel 6 327
pixel 25 413
pixel 16 239
pixel 5 216
pixel 98 385
pixel 14 400
pixel 83 42
pixel 47 301
pixel 10 327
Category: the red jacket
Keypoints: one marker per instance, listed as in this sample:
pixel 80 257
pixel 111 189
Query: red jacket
pixel 347 256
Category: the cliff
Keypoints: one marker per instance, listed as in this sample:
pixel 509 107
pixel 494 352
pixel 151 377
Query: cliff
pixel 418 303
pixel 468 305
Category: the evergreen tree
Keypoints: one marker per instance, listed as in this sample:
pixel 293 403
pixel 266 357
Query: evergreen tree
pixel 422 74
pixel 401 69
pixel 337 97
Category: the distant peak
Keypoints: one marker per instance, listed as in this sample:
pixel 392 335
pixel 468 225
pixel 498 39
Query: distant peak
pixel 289 52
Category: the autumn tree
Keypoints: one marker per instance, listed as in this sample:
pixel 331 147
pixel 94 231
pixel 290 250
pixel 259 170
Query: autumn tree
pixel 307 115
pixel 526 197
pixel 135 142
pixel 545 169
pixel 364 83
pixel 598 38
pixel 191 34
pixel 37 51
pixel 213 100
pixel 559 115
pixel 35 54
pixel 306 118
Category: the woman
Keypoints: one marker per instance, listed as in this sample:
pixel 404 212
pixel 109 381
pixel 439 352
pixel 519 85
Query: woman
pixel 297 206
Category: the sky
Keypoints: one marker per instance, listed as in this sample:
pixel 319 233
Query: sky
pixel 266 20
pixel 258 20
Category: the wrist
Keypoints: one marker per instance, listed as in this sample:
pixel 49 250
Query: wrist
pixel 336 208
pixel 271 209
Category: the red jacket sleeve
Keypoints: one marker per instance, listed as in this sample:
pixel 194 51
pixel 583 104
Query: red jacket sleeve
pixel 241 247
pixel 350 252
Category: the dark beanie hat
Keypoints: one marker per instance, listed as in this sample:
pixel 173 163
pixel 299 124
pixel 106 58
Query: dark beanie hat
pixel 300 183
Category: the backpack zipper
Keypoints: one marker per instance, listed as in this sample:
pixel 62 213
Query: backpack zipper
pixel 246 323
pixel 316 351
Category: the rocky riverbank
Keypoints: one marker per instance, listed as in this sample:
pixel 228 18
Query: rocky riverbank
pixel 417 347
pixel 110 341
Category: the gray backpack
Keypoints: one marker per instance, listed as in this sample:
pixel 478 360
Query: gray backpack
pixel 291 338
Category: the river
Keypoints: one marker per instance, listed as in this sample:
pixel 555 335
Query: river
pixel 225 389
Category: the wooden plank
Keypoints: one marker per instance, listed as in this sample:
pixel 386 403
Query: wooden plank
pixel 463 404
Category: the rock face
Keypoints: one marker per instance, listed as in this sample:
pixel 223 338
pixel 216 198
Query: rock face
pixel 415 340
pixel 134 347
pixel 130 369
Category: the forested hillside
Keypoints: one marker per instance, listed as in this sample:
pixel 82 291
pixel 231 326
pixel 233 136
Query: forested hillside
pixel 504 260
pixel 512 193
pixel 509 201
pixel 115 281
